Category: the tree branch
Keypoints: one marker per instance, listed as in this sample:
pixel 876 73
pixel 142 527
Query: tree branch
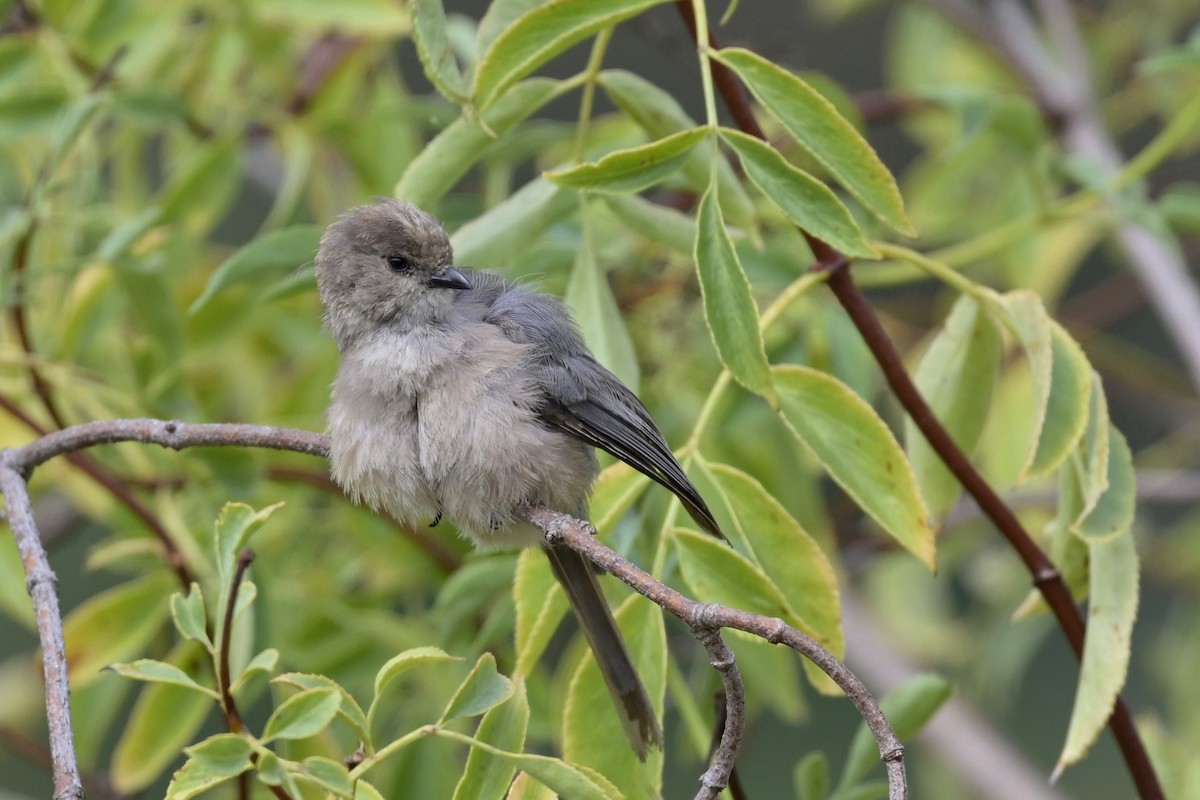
pixel 704 617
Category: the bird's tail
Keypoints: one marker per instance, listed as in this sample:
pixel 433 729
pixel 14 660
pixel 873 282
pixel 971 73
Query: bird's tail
pixel 629 695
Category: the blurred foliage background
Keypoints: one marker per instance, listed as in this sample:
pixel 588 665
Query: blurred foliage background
pixel 166 170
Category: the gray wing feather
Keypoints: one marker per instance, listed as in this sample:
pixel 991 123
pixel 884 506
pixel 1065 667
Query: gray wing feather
pixel 582 398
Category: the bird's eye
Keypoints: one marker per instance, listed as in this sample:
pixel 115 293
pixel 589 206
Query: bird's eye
pixel 399 263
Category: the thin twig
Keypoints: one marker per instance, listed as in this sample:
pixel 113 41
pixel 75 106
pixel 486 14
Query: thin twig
pixel 735 788
pixel 232 718
pixel 43 588
pixel 579 536
pixel 733 720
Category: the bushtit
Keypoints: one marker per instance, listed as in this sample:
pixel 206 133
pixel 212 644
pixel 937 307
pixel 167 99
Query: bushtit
pixel 462 396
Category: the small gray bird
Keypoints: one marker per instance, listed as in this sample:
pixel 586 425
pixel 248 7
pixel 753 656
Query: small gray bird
pixel 462 396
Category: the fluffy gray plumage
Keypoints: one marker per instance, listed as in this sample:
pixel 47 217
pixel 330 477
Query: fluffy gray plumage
pixel 464 396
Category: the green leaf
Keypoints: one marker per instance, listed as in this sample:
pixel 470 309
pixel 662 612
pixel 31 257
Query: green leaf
pixel 73 122
pixel 223 754
pixel 190 615
pixel 199 191
pixel 660 115
pixel 115 625
pixel 397 666
pixel 566 779
pixel 657 223
pixel 526 787
pixel 720 574
pixel 541 606
pixel 268 257
pixel 151 671
pixel 812 777
pixel 729 306
pixel 807 202
pixel 373 18
pixel 481 690
pixel 1025 317
pixel 956 376
pixel 789 557
pixel 433 48
pixel 349 709
pixel 507 229
pixel 592 735
pixel 595 311
pixel 165 717
pixel 633 169
pixel 907 708
pixel 614 493
pixel 303 714
pixel 1094 451
pixel 503 727
pixel 1112 515
pixel 499 16
pixel 265 662
pixel 236 523
pixel 1112 608
pixel 194 778
pixel 823 132
pixel 29 110
pixel 365 791
pixel 1068 403
pixel 452 153
pixel 859 452
pixel 329 775
pixel 541 34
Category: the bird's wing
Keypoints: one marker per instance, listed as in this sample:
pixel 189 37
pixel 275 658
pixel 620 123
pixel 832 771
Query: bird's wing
pixel 586 401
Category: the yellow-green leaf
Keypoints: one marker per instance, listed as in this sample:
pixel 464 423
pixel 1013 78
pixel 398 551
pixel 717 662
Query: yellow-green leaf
pixel 433 48
pixel 823 132
pixel 485 777
pixel 541 606
pixel 541 34
pixel 115 625
pixel 807 202
pixel 634 168
pixel 595 312
pixel 859 452
pixel 483 689
pixel 1068 403
pixel 729 307
pixel 956 376
pixel 1113 512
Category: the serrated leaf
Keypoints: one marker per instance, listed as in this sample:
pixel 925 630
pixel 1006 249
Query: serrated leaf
pixel 907 708
pixel 303 714
pixel 453 152
pixel 807 202
pixel 397 666
pixel 660 114
pixel 632 169
pixel 152 671
pixel 264 662
pixel 485 777
pixel 1067 405
pixel 858 451
pixel 541 605
pixel 224 753
pixel 729 307
pixel 595 311
pixel 115 624
pixel 1112 608
pixel 236 523
pixel 592 734
pixel 329 775
pixel 267 257
pixel 823 132
pixel 956 376
pixel 481 690
pixel 190 615
pixel 365 791
pixel 526 787
pixel 1112 515
pixel 192 779
pixel 349 709
pixel 722 575
pixel 1025 317
pixel 539 35
pixel 165 717
pixel 788 556
pixel 501 233
pixel 1093 450
pixel 433 48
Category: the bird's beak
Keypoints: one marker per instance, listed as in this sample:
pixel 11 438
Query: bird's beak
pixel 450 279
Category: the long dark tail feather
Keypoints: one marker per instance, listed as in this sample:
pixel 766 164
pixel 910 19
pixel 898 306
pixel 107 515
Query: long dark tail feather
pixel 629 695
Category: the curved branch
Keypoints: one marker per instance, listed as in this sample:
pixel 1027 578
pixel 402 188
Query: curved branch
pixel 717 776
pixel 702 617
